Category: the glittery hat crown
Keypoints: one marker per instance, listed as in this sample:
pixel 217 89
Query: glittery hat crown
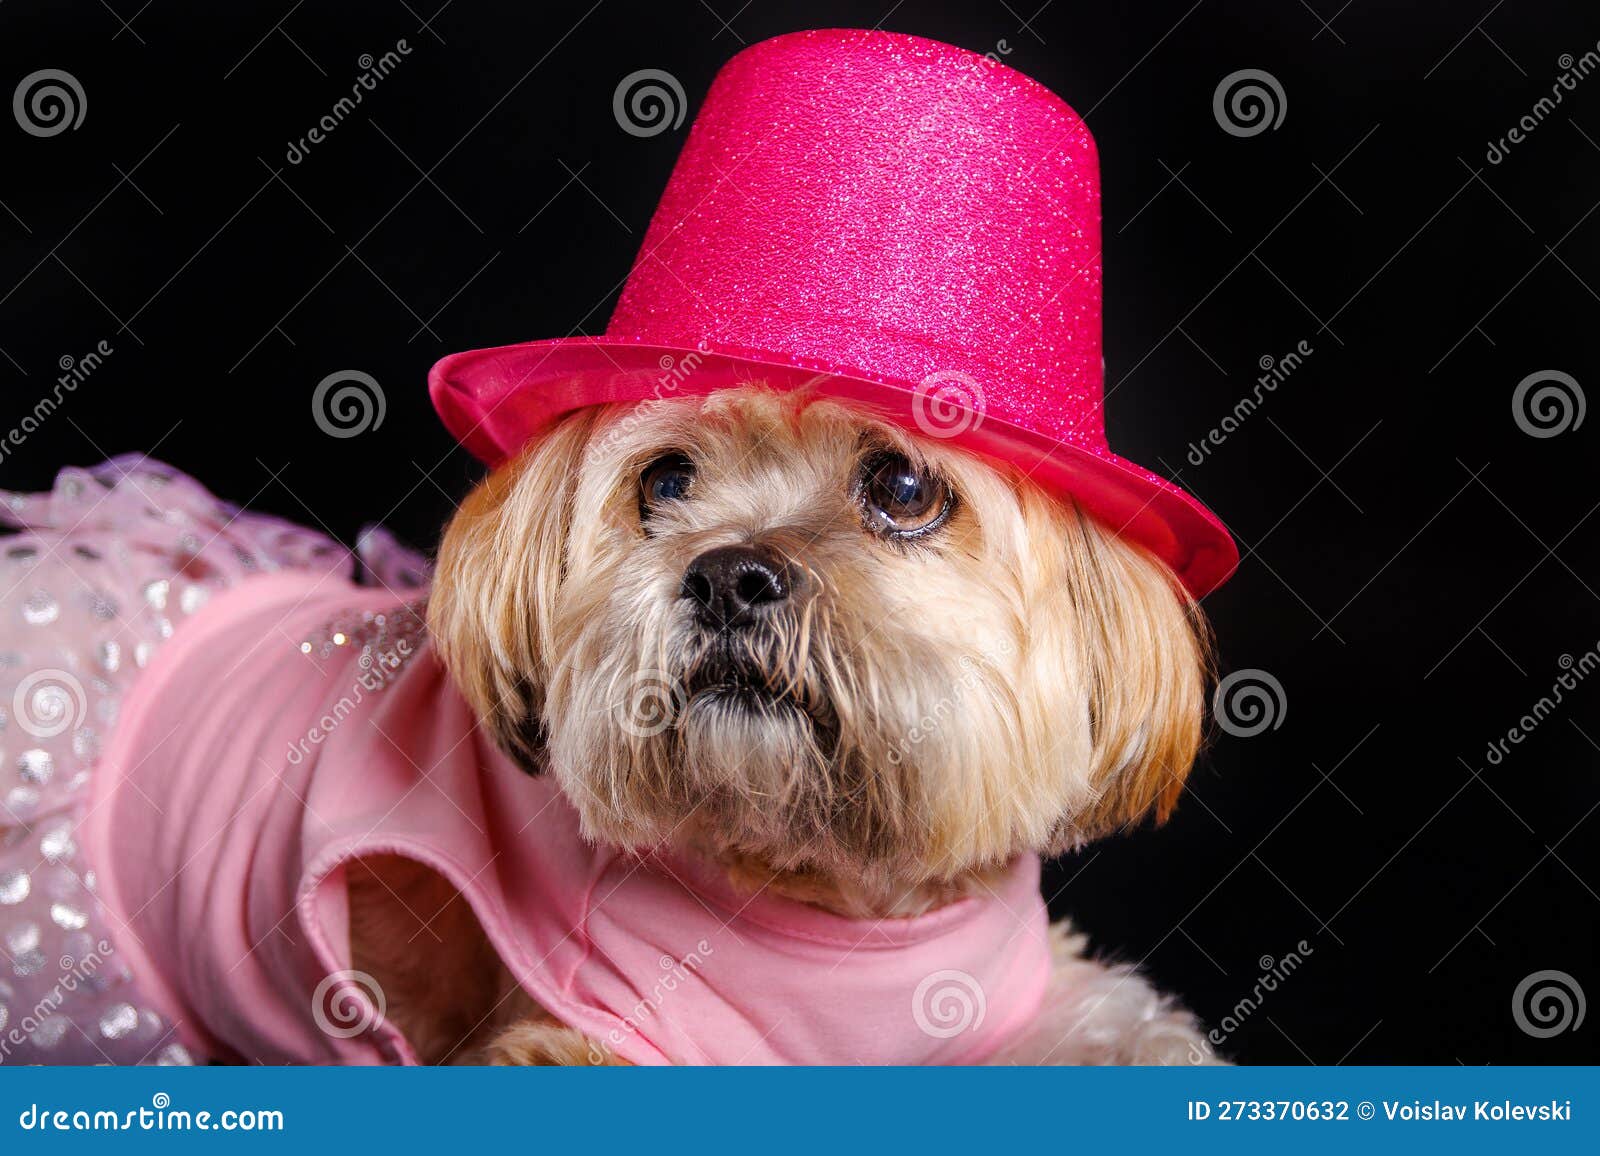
pixel 893 221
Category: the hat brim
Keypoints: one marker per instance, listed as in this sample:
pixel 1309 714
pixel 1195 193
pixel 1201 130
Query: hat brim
pixel 494 400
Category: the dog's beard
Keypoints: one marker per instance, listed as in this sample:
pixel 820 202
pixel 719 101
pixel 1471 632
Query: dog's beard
pixel 758 716
pixel 755 737
pixel 757 672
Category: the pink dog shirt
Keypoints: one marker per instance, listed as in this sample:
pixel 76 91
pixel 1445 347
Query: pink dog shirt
pixel 298 722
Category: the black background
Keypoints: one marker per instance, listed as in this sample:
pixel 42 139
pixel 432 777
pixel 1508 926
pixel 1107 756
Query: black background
pixel 1416 565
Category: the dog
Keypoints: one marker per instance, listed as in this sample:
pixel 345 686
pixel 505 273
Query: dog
pixel 899 668
pixel 761 664
pixel 799 615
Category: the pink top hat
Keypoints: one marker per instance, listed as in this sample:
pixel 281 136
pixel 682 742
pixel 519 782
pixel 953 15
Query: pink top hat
pixel 893 221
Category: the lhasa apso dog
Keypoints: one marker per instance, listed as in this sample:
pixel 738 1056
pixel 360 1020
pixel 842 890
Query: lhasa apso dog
pixel 803 687
pixel 886 668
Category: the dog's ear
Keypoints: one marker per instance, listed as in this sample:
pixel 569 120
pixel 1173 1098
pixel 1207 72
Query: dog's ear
pixel 1146 654
pixel 500 567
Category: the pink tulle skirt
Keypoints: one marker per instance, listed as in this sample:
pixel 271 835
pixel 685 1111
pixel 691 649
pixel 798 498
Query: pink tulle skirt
pixel 99 572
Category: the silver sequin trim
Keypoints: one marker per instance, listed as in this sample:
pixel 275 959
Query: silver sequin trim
pixel 20 804
pixel 48 1034
pixel 26 963
pixel 155 593
pixel 118 1021
pixel 67 918
pixel 23 937
pixel 40 609
pixel 86 744
pixel 386 638
pixel 36 766
pixel 14 887
pixel 56 843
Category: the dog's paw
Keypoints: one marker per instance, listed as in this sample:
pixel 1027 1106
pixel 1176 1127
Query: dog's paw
pixel 535 1043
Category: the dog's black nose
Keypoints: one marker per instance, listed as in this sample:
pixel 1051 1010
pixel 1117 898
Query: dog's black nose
pixel 733 585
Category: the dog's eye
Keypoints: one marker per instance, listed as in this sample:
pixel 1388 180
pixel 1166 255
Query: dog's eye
pixel 667 479
pixel 900 500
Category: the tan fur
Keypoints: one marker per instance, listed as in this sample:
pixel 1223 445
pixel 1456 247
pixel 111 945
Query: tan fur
pixel 1100 1014
pixel 443 985
pixel 492 607
pixel 1020 680
pixel 410 928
